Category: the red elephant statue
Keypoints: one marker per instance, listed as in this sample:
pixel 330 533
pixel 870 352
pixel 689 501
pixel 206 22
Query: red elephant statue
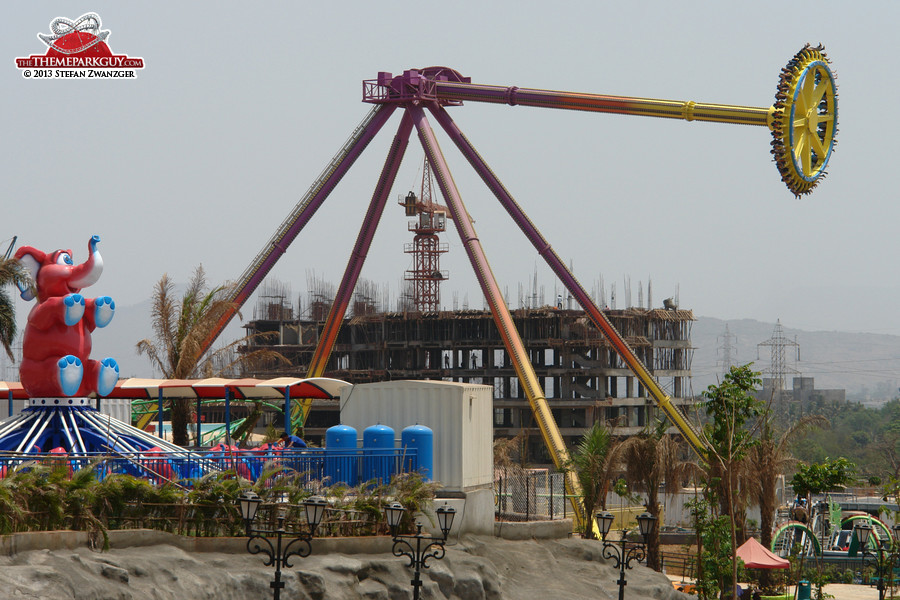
pixel 57 343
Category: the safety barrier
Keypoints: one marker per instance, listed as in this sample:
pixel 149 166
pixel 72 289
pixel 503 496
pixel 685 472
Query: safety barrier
pixel 529 495
pixel 310 464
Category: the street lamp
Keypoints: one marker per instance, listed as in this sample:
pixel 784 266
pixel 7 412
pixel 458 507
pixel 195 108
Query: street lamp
pixel 278 554
pixel 418 548
pixel 884 560
pixel 622 555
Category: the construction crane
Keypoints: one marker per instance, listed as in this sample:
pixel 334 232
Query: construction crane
pixel 431 220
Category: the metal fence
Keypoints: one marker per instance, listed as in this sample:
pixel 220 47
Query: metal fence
pixel 679 564
pixel 529 494
pixel 337 466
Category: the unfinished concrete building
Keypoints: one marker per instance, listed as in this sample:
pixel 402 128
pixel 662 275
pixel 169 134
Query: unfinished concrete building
pixel 582 376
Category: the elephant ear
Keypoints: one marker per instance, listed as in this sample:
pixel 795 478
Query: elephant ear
pixel 30 259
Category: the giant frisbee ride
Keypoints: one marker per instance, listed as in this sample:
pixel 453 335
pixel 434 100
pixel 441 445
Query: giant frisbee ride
pixel 803 122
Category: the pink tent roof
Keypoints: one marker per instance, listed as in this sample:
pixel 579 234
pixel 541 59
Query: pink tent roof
pixel 756 556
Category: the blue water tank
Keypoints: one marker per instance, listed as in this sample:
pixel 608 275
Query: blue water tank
pixel 421 439
pixel 378 453
pixel 341 455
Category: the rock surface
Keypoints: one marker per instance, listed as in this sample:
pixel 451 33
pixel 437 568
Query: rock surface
pixel 474 568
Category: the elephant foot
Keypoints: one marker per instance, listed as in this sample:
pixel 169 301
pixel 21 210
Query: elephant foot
pixel 104 309
pixel 70 373
pixel 74 308
pixel 107 376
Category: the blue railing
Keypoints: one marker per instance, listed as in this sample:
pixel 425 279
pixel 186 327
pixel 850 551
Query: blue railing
pixel 349 467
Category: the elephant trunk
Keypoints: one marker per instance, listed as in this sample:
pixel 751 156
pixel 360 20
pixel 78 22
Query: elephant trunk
pixel 88 272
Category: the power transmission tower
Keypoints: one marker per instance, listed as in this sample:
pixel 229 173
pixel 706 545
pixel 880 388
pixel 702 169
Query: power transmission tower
pixel 778 368
pixel 727 350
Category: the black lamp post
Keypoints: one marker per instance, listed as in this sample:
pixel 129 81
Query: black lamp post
pixel 418 548
pixel 884 560
pixel 622 555
pixel 279 554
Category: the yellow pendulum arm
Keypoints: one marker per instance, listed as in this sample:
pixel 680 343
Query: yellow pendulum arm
pixel 803 119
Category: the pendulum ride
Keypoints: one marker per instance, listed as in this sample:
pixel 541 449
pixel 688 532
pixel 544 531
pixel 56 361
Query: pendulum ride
pixel 803 123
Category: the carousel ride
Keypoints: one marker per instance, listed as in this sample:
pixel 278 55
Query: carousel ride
pixel 62 385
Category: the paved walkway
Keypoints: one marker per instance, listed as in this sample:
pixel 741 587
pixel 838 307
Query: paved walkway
pixel 844 591
pixel 838 591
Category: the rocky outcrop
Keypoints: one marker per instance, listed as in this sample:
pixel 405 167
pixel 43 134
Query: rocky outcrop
pixel 474 568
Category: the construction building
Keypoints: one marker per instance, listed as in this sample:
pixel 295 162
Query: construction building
pixel 582 376
pixel 803 394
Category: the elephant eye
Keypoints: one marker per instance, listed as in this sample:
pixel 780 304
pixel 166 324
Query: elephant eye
pixel 64 259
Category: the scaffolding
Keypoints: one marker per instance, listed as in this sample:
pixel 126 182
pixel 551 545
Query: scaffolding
pixel 582 376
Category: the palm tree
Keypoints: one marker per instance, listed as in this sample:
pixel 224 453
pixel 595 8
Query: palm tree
pixel 179 328
pixel 652 459
pixel 767 460
pixel 593 461
pixel 11 272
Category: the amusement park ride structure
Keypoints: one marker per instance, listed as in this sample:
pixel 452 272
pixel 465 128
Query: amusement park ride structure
pixel 803 122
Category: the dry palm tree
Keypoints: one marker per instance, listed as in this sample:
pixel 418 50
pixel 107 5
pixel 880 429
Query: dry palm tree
pixel 179 328
pixel 11 272
pixel 654 459
pixel 767 460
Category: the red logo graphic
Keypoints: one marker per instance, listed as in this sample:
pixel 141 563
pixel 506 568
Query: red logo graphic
pixel 80 47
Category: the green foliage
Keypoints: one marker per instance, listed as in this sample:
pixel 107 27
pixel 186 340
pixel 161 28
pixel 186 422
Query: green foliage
pixel 731 407
pixel 11 272
pixel 730 436
pixel 415 494
pixel 620 489
pixel 214 502
pixel 47 496
pixel 869 437
pixel 714 547
pixel 828 476
pixel 590 462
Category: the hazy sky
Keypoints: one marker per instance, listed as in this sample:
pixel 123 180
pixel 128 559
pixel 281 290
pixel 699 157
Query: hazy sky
pixel 241 105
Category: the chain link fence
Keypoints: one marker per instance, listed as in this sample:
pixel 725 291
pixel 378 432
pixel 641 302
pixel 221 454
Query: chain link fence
pixel 529 494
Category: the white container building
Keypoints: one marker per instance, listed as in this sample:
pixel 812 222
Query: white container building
pixel 459 414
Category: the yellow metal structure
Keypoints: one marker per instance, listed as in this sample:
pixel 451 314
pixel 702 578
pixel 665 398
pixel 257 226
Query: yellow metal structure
pixel 804 120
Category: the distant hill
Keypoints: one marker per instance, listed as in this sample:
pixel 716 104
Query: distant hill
pixel 866 365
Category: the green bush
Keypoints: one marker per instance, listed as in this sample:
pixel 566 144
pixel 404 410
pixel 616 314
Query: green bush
pixel 47 497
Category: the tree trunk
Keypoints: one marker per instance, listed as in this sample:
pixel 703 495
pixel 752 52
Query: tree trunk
pixel 766 525
pixel 699 537
pixel 244 430
pixel 729 593
pixel 653 558
pixel 181 409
